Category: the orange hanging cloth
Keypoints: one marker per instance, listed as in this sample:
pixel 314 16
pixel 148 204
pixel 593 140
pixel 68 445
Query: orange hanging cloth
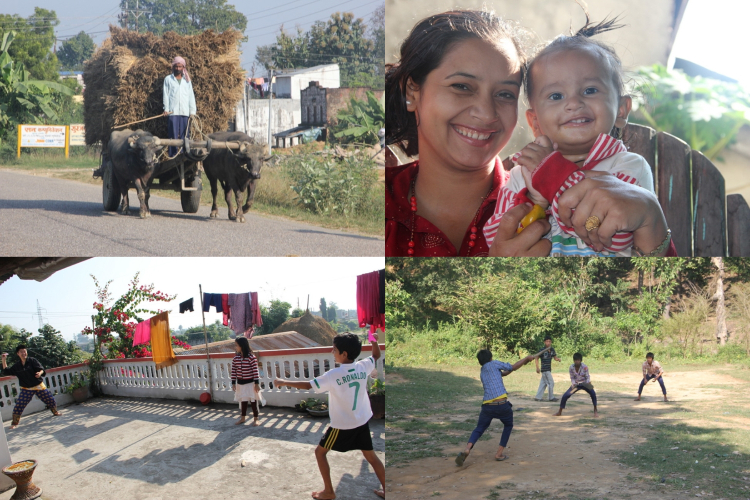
pixel 161 342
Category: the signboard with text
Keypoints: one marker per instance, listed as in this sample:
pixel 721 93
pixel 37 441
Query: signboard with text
pixel 77 134
pixel 43 136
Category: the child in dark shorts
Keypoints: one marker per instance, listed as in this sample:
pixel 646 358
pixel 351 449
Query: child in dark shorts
pixel 348 407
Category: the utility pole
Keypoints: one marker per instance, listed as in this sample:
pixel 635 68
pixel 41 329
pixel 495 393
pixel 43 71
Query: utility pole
pixel 39 310
pixel 137 13
pixel 270 98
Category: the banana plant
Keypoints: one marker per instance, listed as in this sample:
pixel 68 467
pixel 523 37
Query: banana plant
pixel 361 120
pixel 22 99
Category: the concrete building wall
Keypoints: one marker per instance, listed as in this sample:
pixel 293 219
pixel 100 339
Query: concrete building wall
pixel 251 117
pixel 290 85
pixel 644 41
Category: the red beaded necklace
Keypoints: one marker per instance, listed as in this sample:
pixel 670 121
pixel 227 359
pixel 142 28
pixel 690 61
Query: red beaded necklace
pixel 413 201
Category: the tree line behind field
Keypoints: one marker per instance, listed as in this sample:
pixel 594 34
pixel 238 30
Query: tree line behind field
pixel 607 308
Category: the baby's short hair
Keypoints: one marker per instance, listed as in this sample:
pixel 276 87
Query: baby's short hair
pixel 484 356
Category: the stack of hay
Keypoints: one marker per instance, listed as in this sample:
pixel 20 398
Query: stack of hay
pixel 125 77
pixel 312 327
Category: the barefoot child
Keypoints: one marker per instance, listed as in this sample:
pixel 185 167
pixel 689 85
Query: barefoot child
pixel 348 406
pixel 579 379
pixel 652 371
pixel 547 354
pixel 578 108
pixel 245 383
pixel 495 403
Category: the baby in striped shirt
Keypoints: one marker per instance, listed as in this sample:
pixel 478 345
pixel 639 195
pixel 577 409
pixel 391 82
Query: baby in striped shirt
pixel 578 108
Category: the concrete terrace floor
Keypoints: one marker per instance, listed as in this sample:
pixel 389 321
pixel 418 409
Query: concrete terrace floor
pixel 127 448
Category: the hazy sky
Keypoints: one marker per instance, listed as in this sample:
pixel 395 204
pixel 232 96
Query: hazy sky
pixel 263 18
pixel 68 295
pixel 714 34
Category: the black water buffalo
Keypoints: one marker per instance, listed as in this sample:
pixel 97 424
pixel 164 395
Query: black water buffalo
pixel 133 159
pixel 236 170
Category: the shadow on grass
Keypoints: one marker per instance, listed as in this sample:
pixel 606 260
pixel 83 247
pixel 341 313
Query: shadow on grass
pixel 691 458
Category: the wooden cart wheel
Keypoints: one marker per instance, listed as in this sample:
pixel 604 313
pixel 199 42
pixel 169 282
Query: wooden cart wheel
pixel 110 188
pixel 191 200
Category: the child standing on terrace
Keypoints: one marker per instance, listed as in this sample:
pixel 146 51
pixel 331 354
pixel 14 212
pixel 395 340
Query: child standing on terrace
pixel 245 379
pixel 348 406
pixel 578 108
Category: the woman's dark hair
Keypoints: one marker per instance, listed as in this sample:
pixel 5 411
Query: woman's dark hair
pixel 423 51
pixel 244 346
pixel 577 357
pixel 581 40
pixel 349 343
pixel 484 356
pixel 19 347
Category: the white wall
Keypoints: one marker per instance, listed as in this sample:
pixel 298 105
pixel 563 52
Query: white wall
pixel 251 117
pixel 329 76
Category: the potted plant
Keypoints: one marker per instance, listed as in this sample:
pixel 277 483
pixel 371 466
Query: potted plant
pixel 316 407
pixel 377 398
pixel 78 388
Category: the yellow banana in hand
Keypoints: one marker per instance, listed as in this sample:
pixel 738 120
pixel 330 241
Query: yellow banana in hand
pixel 536 213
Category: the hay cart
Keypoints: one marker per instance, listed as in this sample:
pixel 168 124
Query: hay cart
pixel 181 173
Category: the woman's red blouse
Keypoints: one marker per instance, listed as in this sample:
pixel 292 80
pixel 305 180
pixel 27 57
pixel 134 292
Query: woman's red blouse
pixel 429 241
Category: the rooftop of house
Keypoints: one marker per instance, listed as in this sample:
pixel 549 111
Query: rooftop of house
pixel 117 447
pixel 299 71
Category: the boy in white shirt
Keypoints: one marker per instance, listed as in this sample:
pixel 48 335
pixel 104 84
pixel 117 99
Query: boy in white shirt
pixel 348 407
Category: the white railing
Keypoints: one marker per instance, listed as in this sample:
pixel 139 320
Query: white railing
pixel 56 380
pixel 188 378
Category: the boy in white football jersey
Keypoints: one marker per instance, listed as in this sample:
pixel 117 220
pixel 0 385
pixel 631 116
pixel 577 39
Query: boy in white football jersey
pixel 348 407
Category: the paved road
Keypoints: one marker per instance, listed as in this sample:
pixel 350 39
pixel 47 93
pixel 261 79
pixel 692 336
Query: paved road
pixel 42 216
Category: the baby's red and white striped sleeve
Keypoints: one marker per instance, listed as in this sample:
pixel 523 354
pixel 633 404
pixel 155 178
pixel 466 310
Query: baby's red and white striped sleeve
pixel 506 199
pixel 621 240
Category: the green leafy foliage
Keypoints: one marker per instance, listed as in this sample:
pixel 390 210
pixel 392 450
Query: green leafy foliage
pixel 274 315
pixel 326 185
pixel 361 121
pixel 705 113
pixel 341 40
pixel 49 347
pixel 184 17
pixel 216 333
pixel 23 100
pixel 35 37
pixel 75 50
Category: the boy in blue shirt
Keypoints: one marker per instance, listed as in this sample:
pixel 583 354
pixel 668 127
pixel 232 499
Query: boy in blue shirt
pixel 495 403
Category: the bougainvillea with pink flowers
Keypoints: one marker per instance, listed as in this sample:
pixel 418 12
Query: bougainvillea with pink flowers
pixel 114 326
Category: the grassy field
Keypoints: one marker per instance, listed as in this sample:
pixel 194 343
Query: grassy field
pixel 699 444
pixel 273 195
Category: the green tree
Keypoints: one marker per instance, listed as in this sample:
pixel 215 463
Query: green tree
pixel 49 347
pixel 274 315
pixel 23 100
pixel 331 312
pixel 34 41
pixel 361 121
pixel 297 312
pixel 341 40
pixel 184 17
pixel 74 51
pixel 216 333
pixel 323 312
pixel 377 35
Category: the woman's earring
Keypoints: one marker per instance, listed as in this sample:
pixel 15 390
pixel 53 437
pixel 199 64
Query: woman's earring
pixel 408 102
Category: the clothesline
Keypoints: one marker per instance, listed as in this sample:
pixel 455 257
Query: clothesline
pixel 241 311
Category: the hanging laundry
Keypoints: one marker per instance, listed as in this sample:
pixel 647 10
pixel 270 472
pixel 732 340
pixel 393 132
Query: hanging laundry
pixel 225 307
pixel 186 306
pixel 381 274
pixel 212 299
pixel 368 301
pixel 241 318
pixel 255 309
pixel 142 333
pixel 161 341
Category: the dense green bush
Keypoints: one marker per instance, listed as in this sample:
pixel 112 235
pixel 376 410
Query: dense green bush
pixel 325 185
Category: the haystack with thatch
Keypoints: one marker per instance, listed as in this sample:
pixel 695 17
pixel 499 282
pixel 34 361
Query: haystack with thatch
pixel 310 326
pixel 125 77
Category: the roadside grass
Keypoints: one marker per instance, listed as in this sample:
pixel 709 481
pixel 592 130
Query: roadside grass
pixel 273 196
pixel 433 407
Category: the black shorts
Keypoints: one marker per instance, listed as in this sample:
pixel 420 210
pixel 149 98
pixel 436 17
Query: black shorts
pixel 344 440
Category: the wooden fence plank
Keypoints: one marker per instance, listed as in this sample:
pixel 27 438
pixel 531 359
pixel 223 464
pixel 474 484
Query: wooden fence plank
pixel 642 140
pixel 674 190
pixel 738 226
pixel 709 208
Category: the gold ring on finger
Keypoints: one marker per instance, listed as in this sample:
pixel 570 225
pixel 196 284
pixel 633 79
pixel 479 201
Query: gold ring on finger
pixel 592 223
